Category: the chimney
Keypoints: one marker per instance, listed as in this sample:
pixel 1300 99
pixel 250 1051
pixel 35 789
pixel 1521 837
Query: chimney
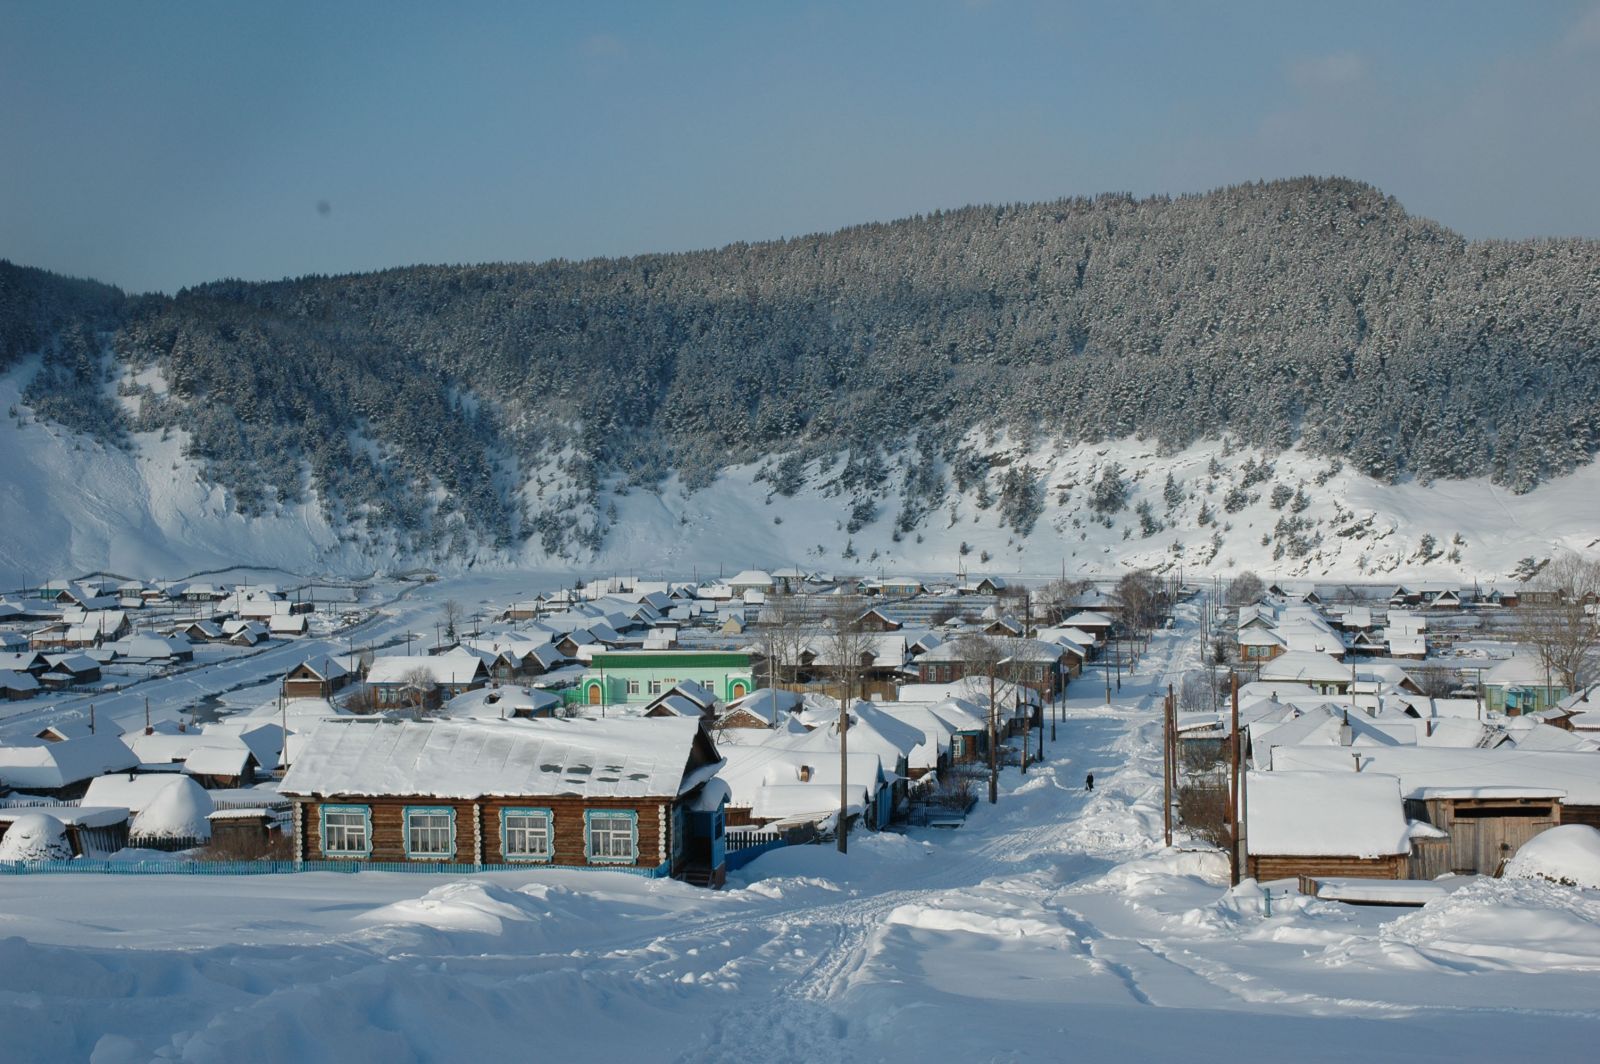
pixel 1358 760
pixel 805 773
pixel 1345 734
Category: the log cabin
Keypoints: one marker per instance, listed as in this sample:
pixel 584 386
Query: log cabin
pixel 615 793
pixel 1326 824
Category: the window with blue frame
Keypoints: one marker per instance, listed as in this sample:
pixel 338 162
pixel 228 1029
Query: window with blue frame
pixel 346 830
pixel 611 836
pixel 527 834
pixel 430 832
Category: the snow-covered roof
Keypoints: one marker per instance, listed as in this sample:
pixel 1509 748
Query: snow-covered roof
pixel 767 704
pixel 1437 772
pixel 496 703
pixel 1343 814
pixel 451 668
pixel 222 760
pixel 1519 671
pixel 616 758
pixel 131 792
pixel 49 766
pixel 1306 667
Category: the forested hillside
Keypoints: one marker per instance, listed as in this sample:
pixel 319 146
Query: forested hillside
pixel 489 404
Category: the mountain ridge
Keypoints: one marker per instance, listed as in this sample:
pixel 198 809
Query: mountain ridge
pixel 448 411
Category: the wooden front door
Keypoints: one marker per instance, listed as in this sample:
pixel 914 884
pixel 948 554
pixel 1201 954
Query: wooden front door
pixel 594 694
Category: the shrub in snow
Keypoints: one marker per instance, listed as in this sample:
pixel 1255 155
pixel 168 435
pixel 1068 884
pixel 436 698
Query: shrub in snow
pixel 36 837
pixel 178 812
pixel 1569 855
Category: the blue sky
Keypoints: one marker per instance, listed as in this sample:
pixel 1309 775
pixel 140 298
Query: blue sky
pixel 159 145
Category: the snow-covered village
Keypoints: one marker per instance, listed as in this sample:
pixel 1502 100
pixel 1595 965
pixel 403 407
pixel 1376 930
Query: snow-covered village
pixel 986 531
pixel 850 799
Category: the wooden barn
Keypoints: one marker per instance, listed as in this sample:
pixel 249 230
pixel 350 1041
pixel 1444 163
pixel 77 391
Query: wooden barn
pixel 1348 824
pixel 1486 802
pixel 589 793
pixel 315 678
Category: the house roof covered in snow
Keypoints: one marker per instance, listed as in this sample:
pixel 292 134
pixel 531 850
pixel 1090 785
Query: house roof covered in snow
pixel 1343 814
pixel 50 766
pixel 618 758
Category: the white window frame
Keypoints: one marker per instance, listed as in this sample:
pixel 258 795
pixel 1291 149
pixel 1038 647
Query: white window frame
pixel 445 813
pixel 364 812
pixel 604 844
pixel 507 831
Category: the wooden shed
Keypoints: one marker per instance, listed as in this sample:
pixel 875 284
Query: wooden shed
pixel 1318 824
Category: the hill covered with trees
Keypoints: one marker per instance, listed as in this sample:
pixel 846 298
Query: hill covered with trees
pixel 442 406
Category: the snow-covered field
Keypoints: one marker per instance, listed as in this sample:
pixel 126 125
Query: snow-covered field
pixel 1053 926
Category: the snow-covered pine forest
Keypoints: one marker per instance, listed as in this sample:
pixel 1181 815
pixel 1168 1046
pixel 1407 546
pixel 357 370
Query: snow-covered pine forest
pixel 1174 379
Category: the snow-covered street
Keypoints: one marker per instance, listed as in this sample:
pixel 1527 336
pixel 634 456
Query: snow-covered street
pixel 1051 926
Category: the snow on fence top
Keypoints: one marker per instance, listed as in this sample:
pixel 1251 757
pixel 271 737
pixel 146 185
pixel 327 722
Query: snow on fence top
pixel 1326 814
pixel 629 758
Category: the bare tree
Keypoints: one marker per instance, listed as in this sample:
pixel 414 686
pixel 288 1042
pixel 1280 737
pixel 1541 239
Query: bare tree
pixel 1561 627
pixel 985 657
pixel 450 613
pixel 418 688
pixel 1245 588
pixel 786 631
pixel 1139 597
pixel 1057 599
pixel 1198 692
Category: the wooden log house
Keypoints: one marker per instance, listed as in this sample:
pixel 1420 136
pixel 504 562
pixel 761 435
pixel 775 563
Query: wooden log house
pixel 613 793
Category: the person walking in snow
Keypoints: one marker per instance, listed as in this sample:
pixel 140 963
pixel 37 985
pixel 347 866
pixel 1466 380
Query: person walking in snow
pixel 1088 782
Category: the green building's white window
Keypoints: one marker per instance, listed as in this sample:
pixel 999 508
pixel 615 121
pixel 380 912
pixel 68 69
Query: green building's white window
pixel 633 687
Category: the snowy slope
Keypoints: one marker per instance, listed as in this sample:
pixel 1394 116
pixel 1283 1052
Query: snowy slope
pixel 1367 529
pixel 82 506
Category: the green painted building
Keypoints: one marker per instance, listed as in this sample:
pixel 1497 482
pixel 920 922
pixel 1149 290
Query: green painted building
pixel 640 675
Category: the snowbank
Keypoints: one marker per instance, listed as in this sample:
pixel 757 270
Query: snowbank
pixel 1569 855
pixel 36 837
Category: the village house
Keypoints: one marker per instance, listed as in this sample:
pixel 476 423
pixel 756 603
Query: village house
pixel 1034 663
pixel 617 793
pixel 1519 685
pixel 424 680
pixel 1486 802
pixel 640 676
pixel 319 677
pixel 1326 824
pixel 63 769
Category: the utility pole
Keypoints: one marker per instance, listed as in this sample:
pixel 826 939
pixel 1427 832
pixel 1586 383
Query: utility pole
pixel 843 832
pixel 1234 749
pixel 1027 731
pixel 1041 728
pixel 1166 767
pixel 994 743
